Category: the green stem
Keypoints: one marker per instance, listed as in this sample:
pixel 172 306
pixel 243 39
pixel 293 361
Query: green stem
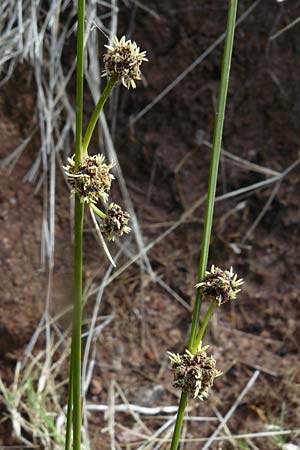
pixel 96 114
pixel 70 408
pixel 98 211
pixel 214 165
pixel 179 420
pixel 204 324
pixel 77 317
pixel 79 81
pixel 75 367
pixel 74 400
pixel 212 184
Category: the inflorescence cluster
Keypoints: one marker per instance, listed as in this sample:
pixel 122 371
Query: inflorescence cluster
pixel 194 373
pixel 116 223
pixel 123 61
pixel 91 181
pixel 220 285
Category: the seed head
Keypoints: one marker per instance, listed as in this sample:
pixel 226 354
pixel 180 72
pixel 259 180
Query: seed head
pixel 116 223
pixel 220 285
pixel 194 374
pixel 92 180
pixel 123 60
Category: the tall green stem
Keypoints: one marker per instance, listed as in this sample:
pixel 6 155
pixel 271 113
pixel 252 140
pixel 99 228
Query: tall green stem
pixel 74 414
pixel 74 401
pixel 96 114
pixel 70 408
pixel 76 335
pixel 79 80
pixel 212 184
pixel 214 165
pixel 204 324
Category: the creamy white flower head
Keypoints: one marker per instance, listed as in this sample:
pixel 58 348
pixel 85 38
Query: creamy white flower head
pixel 123 60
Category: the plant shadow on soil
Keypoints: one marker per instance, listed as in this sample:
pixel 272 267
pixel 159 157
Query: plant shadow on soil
pixel 165 163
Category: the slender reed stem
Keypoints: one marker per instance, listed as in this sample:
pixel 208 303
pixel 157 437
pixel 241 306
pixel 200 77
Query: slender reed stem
pixel 214 165
pixel 79 80
pixel 76 335
pixel 70 408
pixel 204 324
pixel 196 336
pixel 179 420
pixel 96 114
pixel 74 400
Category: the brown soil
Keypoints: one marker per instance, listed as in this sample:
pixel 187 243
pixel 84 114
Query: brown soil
pixel 166 168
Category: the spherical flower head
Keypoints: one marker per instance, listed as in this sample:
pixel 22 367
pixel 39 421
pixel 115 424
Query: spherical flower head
pixel 194 373
pixel 92 180
pixel 122 61
pixel 220 285
pixel 116 222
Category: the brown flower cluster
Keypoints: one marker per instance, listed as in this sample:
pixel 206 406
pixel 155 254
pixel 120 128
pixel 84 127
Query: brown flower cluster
pixel 92 180
pixel 116 222
pixel 194 373
pixel 123 61
pixel 220 285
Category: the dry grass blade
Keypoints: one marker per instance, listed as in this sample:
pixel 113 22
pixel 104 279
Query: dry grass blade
pixel 285 29
pixel 231 411
pixel 33 404
pixel 37 36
